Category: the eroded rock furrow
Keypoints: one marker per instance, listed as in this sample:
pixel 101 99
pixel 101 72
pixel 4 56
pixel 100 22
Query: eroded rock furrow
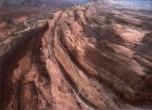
pixel 81 59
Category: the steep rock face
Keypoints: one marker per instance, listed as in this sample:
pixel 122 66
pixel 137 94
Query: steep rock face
pixel 87 58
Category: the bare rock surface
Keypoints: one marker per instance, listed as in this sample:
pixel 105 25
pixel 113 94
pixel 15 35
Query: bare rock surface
pixel 84 58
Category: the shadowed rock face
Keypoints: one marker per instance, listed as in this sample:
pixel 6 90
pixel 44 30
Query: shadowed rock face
pixel 86 57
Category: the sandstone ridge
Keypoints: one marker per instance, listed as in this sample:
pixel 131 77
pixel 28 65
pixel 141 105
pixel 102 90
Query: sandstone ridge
pixel 85 57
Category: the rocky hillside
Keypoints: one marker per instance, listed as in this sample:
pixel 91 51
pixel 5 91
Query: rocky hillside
pixel 85 57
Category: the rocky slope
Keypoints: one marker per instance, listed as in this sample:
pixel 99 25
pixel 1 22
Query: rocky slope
pixel 86 57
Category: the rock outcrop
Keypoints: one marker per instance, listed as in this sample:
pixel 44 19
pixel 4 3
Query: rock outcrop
pixel 86 57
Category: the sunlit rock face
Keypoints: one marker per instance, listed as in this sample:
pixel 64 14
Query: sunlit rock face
pixel 86 57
